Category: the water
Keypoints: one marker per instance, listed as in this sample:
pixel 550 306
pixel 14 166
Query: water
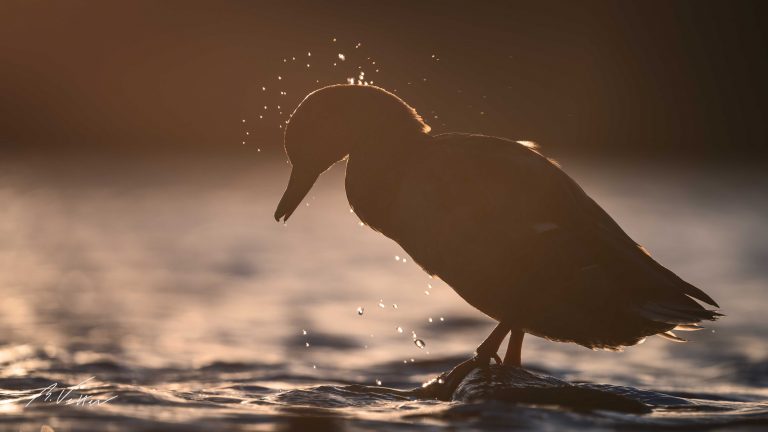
pixel 179 294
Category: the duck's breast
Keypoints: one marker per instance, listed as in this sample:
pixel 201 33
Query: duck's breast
pixel 372 185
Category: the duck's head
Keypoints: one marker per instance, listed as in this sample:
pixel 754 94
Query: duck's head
pixel 334 121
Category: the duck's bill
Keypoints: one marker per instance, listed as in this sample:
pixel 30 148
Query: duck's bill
pixel 298 187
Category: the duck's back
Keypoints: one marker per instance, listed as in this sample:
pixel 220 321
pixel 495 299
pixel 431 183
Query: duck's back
pixel 521 241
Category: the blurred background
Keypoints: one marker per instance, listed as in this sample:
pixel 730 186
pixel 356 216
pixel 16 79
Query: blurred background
pixel 668 80
pixel 141 161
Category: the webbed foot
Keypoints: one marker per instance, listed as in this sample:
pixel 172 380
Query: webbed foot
pixel 443 387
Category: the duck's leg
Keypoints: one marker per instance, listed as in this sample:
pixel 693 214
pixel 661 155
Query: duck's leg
pixel 446 383
pixel 514 349
pixel 490 347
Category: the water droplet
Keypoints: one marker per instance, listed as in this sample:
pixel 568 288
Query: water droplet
pixel 378 382
pixel 279 77
pixel 334 39
pixel 358 45
pixel 429 286
pixel 381 304
pixel 399 329
pixel 442 319
pixel 263 88
pixel 350 80
pixel 360 310
pixel 413 334
pixel 440 381
pixel 304 332
pixel 430 319
pixel 413 360
pixel 307 344
pixel 397 257
pixel 394 305
pixel 419 343
pixel 360 223
pixel 309 54
pixel 314 366
pixel 426 292
pixel 342 57
pixel 405 361
pixel 404 260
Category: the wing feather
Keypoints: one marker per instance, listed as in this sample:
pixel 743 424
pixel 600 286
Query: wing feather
pixel 521 241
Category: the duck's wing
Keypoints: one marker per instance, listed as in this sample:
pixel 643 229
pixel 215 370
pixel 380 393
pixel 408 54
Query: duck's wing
pixel 520 240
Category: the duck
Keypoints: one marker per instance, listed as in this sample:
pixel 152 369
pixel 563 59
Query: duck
pixel 504 226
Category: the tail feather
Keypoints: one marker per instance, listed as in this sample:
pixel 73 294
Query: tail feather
pixel 688 327
pixel 691 290
pixel 680 284
pixel 676 314
pixel 671 336
pixel 698 294
pixel 681 312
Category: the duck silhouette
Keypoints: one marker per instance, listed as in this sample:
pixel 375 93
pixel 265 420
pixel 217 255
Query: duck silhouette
pixel 504 226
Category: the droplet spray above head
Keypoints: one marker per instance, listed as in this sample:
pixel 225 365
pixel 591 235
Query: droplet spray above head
pixel 336 121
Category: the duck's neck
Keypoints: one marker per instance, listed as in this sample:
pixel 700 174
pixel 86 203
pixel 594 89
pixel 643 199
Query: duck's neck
pixel 375 173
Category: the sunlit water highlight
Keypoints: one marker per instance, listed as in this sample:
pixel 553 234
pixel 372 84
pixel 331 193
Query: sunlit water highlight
pixel 180 295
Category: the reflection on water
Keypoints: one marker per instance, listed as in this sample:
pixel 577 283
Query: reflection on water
pixel 180 295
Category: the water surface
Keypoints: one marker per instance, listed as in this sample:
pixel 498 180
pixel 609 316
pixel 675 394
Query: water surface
pixel 176 291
